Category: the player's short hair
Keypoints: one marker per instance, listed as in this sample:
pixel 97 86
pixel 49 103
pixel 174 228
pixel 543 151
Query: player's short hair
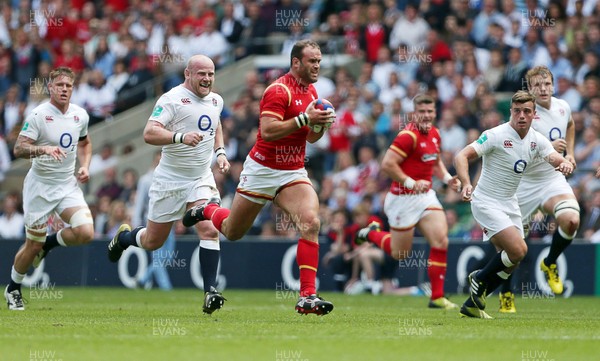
pixel 540 70
pixel 521 97
pixel 423 99
pixel 62 70
pixel 299 48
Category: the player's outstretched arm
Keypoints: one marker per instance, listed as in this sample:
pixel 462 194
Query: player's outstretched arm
pixel 560 163
pixel 24 148
pixel 461 164
pixel 156 134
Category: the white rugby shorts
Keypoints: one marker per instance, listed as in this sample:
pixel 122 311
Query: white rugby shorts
pixel 40 200
pixel 260 184
pixel 169 198
pixel 405 210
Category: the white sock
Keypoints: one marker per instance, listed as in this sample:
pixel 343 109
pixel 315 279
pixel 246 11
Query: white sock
pixel 503 275
pixel 59 239
pixel 138 237
pixel 15 276
pixel 210 244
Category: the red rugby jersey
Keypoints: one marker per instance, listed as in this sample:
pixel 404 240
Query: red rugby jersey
pixel 420 152
pixel 285 98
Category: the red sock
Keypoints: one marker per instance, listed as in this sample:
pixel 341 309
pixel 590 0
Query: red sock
pixel 436 271
pixel 382 239
pixel 210 210
pixel 307 257
pixel 218 216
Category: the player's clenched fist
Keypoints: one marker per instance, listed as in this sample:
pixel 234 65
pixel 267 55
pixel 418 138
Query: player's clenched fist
pixel 192 139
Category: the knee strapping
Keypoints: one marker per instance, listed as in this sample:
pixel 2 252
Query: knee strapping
pixel 566 205
pixel 36 234
pixel 81 217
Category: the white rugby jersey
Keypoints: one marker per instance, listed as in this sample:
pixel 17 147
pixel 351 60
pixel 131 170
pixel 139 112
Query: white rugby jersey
pixel 552 123
pixel 506 157
pixel 48 126
pixel 181 111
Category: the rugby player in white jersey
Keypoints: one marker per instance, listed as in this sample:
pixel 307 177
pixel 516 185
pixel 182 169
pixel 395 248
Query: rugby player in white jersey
pixel 186 123
pixel 507 150
pixel 541 186
pixel 54 136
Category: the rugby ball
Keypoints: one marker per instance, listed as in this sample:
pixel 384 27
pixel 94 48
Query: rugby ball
pixel 323 104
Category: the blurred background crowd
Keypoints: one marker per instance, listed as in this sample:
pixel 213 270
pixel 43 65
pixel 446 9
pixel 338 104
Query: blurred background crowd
pixel 468 54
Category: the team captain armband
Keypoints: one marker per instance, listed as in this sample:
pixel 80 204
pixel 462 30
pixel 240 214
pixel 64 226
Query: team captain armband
pixel 220 151
pixel 178 137
pixel 301 120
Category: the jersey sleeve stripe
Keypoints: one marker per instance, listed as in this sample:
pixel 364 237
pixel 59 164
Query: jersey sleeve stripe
pixel 412 135
pixel 398 150
pixel 286 89
pixel 267 112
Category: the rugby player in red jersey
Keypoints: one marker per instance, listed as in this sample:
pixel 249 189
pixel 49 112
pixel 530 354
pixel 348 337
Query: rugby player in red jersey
pixel 274 169
pixel 411 161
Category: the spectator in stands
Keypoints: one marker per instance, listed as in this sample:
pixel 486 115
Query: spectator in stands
pixel 383 67
pixel 5 68
pixel 375 34
pixel 5 158
pixel 138 86
pixel 515 69
pixel 102 59
pixel 10 109
pixel 111 186
pixel 411 29
pixel 255 28
pixel 129 186
pixel 101 217
pixel 590 222
pixel 99 97
pixel 117 215
pixel 567 92
pixel 69 57
pixel 229 26
pixel 118 77
pixel 12 223
pixel 493 74
pixel 437 49
pixel 25 61
pixel 103 160
pixel 454 137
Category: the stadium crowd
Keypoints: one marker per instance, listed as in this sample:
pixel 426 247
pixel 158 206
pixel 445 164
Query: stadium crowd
pixel 467 54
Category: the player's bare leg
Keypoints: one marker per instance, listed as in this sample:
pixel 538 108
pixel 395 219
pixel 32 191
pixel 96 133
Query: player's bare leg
pixel 301 203
pixel 81 232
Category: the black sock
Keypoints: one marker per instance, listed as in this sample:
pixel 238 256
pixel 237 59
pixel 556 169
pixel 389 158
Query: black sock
pixel 507 285
pixel 127 239
pixel 494 282
pixel 209 262
pixel 13 286
pixel 51 242
pixel 559 243
pixel 494 266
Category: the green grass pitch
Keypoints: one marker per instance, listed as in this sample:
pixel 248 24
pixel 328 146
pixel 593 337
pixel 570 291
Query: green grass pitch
pixel 120 324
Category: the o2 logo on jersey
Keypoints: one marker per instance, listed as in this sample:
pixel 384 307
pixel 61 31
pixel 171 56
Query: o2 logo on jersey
pixel 66 141
pixel 520 166
pixel 205 124
pixel 554 134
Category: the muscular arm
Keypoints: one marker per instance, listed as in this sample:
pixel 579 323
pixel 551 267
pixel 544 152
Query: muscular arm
pixel 461 164
pixel 84 152
pixel 313 137
pixel 156 134
pixel 25 148
pixel 219 142
pixel 570 139
pixel 560 163
pixel 390 165
pixel 272 129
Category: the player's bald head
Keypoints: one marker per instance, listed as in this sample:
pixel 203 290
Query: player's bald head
pixel 199 61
